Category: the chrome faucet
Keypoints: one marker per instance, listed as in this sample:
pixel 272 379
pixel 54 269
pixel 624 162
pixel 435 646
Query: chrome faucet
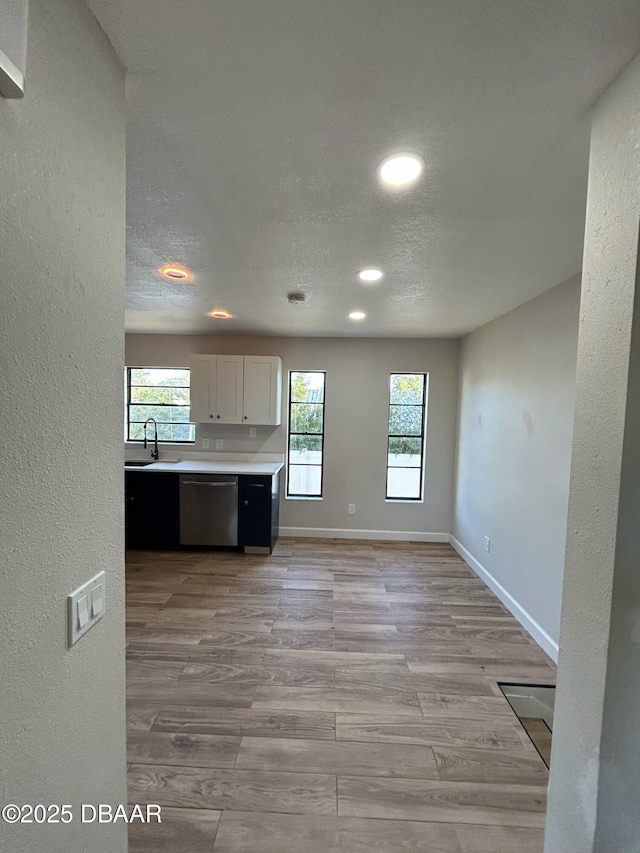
pixel 154 452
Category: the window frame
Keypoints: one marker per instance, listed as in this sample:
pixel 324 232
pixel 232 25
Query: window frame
pixel 297 495
pixel 422 436
pixel 128 404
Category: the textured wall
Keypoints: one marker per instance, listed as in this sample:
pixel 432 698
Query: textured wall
pixel 13 35
pixel 357 399
pixel 595 763
pixel 517 378
pixel 62 199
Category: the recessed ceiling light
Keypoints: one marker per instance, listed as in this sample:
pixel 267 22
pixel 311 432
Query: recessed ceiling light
pixel 220 314
pixel 357 315
pixel 370 275
pixel 400 169
pixel 176 273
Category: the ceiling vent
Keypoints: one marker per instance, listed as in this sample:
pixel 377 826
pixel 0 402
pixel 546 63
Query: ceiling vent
pixel 296 298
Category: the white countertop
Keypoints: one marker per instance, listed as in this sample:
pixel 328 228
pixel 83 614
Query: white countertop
pixel 195 466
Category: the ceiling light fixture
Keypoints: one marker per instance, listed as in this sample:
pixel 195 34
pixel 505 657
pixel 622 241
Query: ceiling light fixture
pixel 370 275
pixel 357 315
pixel 220 314
pixel 398 170
pixel 176 273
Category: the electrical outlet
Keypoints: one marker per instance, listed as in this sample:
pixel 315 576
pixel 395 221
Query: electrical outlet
pixel 252 432
pixel 219 444
pixel 205 443
pixel 352 509
pixel 487 544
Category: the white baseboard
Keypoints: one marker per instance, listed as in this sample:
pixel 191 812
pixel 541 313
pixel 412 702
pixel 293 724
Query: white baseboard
pixel 343 533
pixel 525 619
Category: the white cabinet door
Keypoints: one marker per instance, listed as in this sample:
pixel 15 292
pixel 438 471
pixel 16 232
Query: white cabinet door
pixel 229 385
pixel 262 389
pixel 203 388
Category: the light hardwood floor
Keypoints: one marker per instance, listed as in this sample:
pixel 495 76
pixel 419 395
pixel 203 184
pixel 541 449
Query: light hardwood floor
pixel 335 696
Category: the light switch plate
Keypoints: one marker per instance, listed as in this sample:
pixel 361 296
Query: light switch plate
pixel 205 443
pixel 219 443
pixel 85 607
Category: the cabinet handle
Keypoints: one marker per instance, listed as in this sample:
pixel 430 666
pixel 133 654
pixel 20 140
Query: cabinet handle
pixel 210 416
pixel 246 503
pixel 208 483
pixel 217 416
pixel 257 485
pixel 246 417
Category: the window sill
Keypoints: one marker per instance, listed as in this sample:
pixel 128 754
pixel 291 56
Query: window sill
pixel 404 500
pixel 135 443
pixel 302 498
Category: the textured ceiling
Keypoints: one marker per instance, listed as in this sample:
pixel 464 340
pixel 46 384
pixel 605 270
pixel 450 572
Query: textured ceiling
pixel 255 127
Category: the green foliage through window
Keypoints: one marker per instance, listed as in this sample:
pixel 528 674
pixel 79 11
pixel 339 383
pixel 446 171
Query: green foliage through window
pixel 306 433
pixel 161 393
pixel 405 447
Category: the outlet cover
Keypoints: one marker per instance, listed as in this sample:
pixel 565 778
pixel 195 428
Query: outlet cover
pixel 252 432
pixel 352 509
pixel 487 544
pixel 205 443
pixel 85 607
pixel 219 443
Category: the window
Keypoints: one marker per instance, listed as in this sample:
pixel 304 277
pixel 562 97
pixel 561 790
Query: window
pixel 161 393
pixel 405 448
pixel 306 433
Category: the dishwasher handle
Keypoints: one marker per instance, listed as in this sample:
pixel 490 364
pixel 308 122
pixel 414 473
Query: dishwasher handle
pixel 201 483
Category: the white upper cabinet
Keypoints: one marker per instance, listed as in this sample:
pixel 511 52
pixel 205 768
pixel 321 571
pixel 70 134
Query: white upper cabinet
pixel 234 389
pixel 229 388
pixel 203 388
pixel 262 389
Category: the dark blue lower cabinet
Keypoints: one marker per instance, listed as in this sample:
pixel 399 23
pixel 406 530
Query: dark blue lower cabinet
pixel 152 515
pixel 258 512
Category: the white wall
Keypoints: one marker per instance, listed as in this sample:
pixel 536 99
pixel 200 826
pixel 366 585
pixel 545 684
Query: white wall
pixel 357 398
pixel 595 767
pixel 517 378
pixel 62 206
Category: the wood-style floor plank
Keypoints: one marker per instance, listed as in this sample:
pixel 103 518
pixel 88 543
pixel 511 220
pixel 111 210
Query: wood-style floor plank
pixel 192 693
pixel 356 759
pixel 183 750
pixel 192 830
pixel 169 670
pixel 339 699
pixel 337 658
pixel 308 674
pixel 205 719
pixel 444 707
pixel 367 676
pixel 454 802
pixel 333 697
pixel 246 832
pixel 496 839
pixel 493 766
pixel 477 734
pixel 240 790
pixel 141 715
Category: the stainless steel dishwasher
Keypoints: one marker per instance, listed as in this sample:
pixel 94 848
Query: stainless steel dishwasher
pixel 208 509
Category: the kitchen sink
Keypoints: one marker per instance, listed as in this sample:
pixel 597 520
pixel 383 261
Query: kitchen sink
pixel 139 463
